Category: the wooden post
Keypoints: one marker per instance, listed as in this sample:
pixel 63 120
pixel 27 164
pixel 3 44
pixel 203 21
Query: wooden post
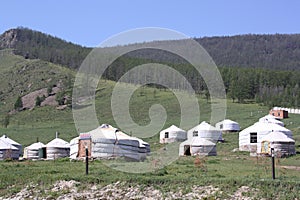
pixel 273 163
pixel 86 160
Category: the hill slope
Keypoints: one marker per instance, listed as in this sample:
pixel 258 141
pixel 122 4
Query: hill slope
pixel 253 52
pixel 21 76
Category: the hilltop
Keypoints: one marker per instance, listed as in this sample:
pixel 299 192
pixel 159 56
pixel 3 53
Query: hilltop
pixel 37 45
pixel 277 51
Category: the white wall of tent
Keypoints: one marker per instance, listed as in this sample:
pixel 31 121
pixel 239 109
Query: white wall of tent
pixel 290 110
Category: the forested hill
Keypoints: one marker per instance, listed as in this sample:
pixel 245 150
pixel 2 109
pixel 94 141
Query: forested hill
pixel 264 68
pixel 279 51
pixel 33 44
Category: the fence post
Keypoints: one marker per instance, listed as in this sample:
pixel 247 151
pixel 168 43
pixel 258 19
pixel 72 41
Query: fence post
pixel 86 160
pixel 273 163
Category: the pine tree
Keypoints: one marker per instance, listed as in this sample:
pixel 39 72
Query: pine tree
pixel 60 98
pixel 18 103
pixel 38 101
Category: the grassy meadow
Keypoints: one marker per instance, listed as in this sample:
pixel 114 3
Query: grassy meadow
pixel 228 171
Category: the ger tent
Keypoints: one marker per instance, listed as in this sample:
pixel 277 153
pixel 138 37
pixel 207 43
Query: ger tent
pixel 74 147
pixel 271 119
pixel 206 131
pixel 107 141
pixel 283 145
pixel 197 146
pixel 57 148
pixel 35 151
pixel 172 134
pixel 13 143
pixel 8 151
pixel 251 136
pixel 228 125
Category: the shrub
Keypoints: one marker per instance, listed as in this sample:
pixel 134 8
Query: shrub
pixel 18 104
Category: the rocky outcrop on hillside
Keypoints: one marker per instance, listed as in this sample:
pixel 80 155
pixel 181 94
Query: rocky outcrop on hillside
pixel 29 100
pixel 8 39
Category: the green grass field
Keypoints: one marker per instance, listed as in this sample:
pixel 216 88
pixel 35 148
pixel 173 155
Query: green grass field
pixel 227 171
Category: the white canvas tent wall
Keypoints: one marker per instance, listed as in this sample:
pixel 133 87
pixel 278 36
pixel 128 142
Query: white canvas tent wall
pixel 283 145
pixel 250 137
pixel 108 141
pixel 197 146
pixel 74 147
pixel 32 151
pixel 172 134
pixel 8 151
pixel 12 142
pixel 206 131
pixel 57 148
pixel 228 125
pixel 271 119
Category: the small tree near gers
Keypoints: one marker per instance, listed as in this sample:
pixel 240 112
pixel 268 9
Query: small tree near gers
pixel 5 121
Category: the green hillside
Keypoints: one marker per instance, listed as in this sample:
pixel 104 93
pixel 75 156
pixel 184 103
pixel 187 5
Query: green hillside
pixel 228 171
pixel 43 122
pixel 263 68
pixel 21 76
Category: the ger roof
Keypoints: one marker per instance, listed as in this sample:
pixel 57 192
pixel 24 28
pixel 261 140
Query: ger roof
pixel 268 126
pixel 173 128
pixel 58 143
pixel 205 126
pixel 197 141
pixel 229 121
pixel 277 137
pixel 8 140
pixel 109 132
pixel 4 145
pixel 36 145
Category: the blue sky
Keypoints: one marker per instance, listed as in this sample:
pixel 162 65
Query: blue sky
pixel 90 22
